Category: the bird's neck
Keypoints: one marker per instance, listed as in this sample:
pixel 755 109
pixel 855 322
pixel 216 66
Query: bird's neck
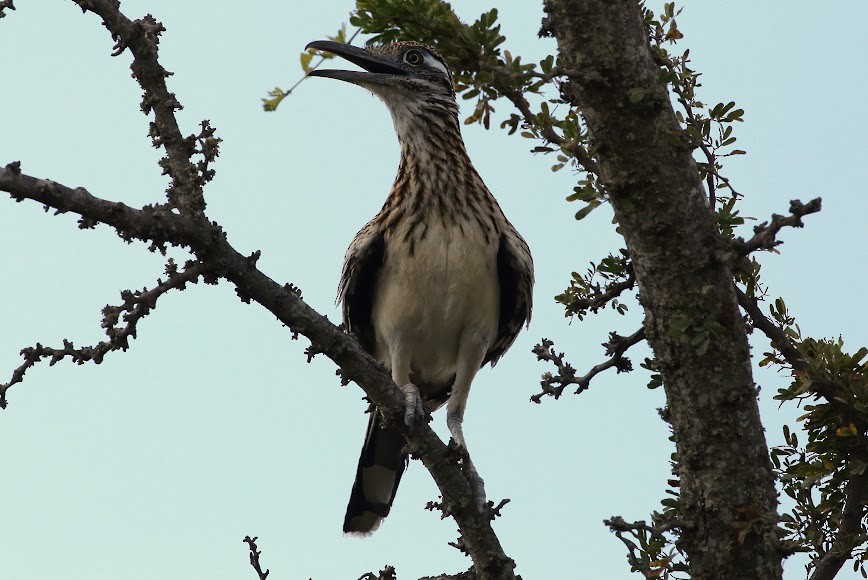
pixel 436 180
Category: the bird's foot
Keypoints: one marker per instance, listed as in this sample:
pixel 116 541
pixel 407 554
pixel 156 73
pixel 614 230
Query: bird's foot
pixel 414 409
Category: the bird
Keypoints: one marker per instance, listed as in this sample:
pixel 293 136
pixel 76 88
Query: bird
pixel 439 283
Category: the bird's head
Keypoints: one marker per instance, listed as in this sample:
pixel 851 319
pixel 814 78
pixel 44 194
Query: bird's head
pixel 402 74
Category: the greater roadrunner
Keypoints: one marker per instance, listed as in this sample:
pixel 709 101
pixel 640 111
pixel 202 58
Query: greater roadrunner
pixel 436 285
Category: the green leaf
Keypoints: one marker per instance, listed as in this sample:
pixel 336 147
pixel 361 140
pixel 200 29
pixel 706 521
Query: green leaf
pixel 583 213
pixel 277 95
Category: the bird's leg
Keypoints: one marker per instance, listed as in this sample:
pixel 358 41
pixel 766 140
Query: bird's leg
pixel 414 409
pixel 471 354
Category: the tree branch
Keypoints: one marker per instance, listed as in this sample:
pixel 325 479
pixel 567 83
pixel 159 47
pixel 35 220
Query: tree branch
pixel 848 530
pixel 163 225
pixel 654 569
pixel 597 297
pixel 774 333
pixel 4 4
pixel 142 37
pixel 765 234
pixel 549 134
pixel 779 339
pixel 137 304
pixel 615 347
pixel 254 557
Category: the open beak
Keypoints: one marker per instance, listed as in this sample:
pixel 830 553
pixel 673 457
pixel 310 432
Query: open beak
pixel 377 70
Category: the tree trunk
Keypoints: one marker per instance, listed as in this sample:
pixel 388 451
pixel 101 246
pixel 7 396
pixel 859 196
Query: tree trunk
pixel 728 504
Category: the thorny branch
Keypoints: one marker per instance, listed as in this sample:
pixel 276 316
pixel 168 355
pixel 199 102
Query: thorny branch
pixel 137 304
pixel 554 385
pixel 182 223
pixel 254 557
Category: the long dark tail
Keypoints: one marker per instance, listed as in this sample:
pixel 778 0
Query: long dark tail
pixel 381 466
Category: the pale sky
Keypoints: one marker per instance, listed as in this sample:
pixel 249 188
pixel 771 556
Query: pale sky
pixel 158 462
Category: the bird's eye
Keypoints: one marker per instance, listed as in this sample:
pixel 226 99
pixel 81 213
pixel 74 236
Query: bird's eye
pixel 413 57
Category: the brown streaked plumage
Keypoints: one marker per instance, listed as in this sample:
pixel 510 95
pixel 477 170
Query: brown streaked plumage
pixel 439 283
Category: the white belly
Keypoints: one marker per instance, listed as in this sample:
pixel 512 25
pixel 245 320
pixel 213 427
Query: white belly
pixel 429 302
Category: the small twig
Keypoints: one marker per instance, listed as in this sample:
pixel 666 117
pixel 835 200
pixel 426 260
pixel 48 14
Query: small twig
pixel 318 64
pixel 615 347
pixel 619 524
pixel 598 297
pixel 765 234
pixel 4 4
pixel 779 338
pixel 387 573
pixel 254 557
pixel 137 304
pixel 580 153
pixel 619 527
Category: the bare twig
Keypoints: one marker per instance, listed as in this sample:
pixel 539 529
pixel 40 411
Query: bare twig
pixel 387 573
pixel 765 234
pixel 254 557
pixel 4 4
pixel 142 37
pixel 554 385
pixel 136 305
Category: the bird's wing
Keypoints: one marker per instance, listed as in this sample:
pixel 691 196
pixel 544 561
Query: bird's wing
pixel 362 264
pixel 515 275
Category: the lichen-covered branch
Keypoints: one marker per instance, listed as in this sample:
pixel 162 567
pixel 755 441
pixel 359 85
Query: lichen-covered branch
pixel 554 384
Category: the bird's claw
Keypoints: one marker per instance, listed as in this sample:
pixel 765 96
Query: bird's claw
pixel 414 409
